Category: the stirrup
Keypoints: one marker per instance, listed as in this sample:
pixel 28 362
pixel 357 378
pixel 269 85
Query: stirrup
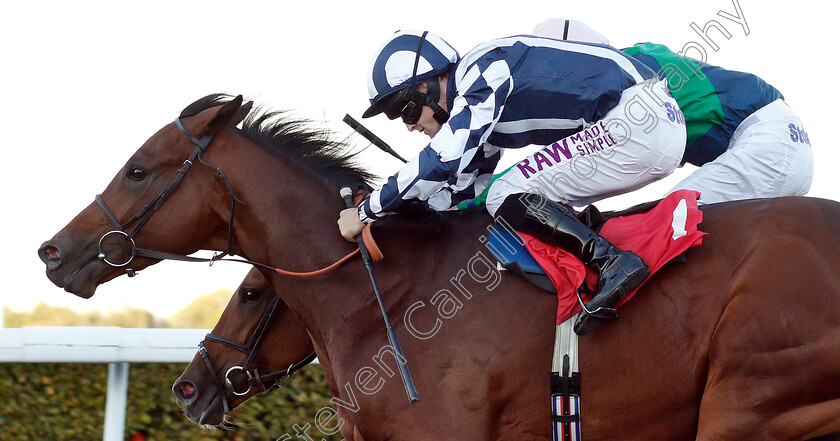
pixel 586 324
pixel 589 320
pixel 601 312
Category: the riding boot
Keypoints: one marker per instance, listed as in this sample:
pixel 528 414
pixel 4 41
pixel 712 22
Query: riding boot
pixel 620 272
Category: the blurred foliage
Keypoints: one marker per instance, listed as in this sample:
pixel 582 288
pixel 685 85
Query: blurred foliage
pixel 47 315
pixel 58 402
pixel 203 312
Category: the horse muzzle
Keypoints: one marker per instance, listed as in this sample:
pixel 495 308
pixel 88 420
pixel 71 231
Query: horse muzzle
pixel 76 269
pixel 201 403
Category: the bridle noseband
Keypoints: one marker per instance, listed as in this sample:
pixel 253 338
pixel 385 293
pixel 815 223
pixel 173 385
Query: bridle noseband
pixel 254 379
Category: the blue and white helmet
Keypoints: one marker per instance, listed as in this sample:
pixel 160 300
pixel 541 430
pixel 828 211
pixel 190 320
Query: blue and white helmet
pixel 393 66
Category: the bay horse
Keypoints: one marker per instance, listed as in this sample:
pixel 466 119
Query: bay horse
pixel 256 343
pixel 740 342
pixel 276 342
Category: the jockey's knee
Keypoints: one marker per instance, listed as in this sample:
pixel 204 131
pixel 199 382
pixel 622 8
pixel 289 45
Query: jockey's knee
pixel 512 210
pixel 514 207
pixel 495 197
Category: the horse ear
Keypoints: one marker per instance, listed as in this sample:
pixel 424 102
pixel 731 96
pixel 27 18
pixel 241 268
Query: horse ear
pixel 243 112
pixel 224 115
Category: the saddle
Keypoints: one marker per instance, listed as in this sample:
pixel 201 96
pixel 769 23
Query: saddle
pixel 659 232
pixel 512 254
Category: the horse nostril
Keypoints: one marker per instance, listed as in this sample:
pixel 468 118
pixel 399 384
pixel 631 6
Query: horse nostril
pixel 50 255
pixel 185 390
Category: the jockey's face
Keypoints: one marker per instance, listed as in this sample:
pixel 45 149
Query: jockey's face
pixel 427 124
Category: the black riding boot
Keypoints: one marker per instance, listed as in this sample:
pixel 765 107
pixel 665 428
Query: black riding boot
pixel 620 272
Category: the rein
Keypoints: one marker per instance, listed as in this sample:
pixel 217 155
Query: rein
pixel 254 379
pixel 130 249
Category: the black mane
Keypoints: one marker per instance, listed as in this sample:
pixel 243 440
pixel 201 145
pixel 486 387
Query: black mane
pixel 331 159
pixel 296 139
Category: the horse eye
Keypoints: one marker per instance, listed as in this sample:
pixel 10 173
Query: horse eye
pixel 251 296
pixel 136 173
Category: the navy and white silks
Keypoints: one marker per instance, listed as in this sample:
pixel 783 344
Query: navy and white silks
pixel 508 93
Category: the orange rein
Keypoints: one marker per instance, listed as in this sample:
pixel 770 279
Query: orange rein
pixel 316 273
pixel 372 248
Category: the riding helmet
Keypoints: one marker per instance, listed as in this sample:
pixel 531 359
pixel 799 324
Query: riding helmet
pixel 393 67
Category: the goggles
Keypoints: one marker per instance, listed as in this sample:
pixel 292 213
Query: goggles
pixel 407 105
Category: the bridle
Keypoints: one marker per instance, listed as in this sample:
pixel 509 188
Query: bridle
pixel 264 381
pixel 142 216
pixel 254 379
pixel 130 249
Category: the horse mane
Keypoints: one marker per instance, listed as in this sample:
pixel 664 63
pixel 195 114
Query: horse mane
pixel 318 150
pixel 296 139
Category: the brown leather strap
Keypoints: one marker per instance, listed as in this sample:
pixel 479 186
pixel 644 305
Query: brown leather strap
pixel 316 273
pixel 367 238
pixel 371 246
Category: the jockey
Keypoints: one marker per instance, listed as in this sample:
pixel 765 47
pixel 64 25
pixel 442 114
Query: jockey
pixel 590 105
pixel 746 140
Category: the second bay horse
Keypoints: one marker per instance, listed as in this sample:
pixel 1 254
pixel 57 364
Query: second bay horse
pixel 284 346
pixel 256 343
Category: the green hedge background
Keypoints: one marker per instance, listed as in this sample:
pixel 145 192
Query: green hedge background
pixel 58 402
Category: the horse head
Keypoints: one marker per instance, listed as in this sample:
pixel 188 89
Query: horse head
pixel 256 343
pixel 145 203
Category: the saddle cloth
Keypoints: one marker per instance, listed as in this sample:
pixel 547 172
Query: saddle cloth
pixel 657 235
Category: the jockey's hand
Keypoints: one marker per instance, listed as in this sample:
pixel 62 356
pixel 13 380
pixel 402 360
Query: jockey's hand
pixel 349 224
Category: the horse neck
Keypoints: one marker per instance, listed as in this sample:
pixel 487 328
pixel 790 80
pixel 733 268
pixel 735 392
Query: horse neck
pixel 288 221
pixel 289 213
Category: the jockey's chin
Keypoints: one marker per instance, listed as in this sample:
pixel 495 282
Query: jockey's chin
pixel 427 124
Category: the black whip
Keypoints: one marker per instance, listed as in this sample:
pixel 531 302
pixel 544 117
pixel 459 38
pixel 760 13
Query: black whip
pixel 375 140
pixel 402 364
